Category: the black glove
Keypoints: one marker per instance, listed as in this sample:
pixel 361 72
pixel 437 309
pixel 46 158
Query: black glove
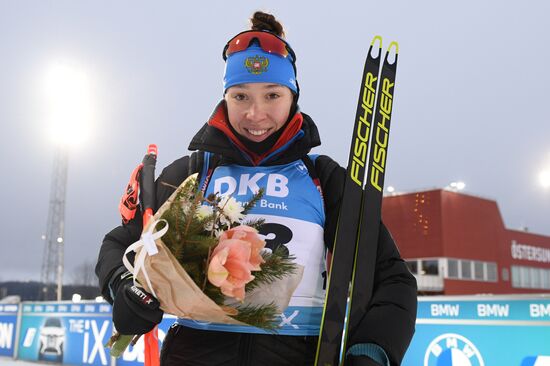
pixel 361 361
pixel 135 311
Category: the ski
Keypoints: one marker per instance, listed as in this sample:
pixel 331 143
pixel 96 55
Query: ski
pixel 367 241
pixel 353 255
pixel 343 251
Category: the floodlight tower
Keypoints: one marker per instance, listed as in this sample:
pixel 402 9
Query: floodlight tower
pixel 69 109
pixel 52 260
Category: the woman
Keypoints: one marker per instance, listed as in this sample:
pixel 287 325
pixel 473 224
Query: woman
pixel 257 137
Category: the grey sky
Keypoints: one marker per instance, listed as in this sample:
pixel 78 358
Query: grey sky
pixel 471 101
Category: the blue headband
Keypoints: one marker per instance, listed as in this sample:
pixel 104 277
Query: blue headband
pixel 254 65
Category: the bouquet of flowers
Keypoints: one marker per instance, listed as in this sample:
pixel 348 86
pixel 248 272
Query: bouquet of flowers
pixel 205 262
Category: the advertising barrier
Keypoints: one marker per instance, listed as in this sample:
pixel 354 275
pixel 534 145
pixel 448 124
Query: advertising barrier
pixel 134 356
pixel 481 331
pixel 8 325
pixel 450 331
pixel 65 332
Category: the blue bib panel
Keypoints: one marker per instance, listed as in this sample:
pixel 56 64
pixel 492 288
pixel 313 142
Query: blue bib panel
pixel 294 215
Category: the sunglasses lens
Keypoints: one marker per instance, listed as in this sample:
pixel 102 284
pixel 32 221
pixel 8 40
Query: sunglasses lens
pixel 268 42
pixel 272 44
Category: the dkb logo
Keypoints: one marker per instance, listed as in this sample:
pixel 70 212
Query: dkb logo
pixel 276 185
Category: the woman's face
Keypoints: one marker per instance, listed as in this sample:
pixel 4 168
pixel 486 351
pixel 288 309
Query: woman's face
pixel 257 110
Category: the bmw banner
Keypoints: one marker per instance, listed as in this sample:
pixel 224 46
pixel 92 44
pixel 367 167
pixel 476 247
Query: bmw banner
pixel 509 330
pixel 8 324
pixel 65 332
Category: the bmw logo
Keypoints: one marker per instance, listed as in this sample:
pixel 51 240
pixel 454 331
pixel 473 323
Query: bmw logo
pixel 452 350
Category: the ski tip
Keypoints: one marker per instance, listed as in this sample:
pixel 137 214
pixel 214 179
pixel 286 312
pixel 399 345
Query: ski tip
pixel 391 59
pixel 392 45
pixel 372 51
pixel 379 38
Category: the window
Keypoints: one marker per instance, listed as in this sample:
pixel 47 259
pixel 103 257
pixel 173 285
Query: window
pixel 535 277
pixel 530 277
pixel 478 271
pixel 515 277
pixel 492 272
pixel 524 277
pixel 53 322
pixel 545 279
pixel 430 267
pixel 413 266
pixel 466 268
pixel 452 268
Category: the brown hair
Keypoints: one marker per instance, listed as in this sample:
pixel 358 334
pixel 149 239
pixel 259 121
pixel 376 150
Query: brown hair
pixel 266 21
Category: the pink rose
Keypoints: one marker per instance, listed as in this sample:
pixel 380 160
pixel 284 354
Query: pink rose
pixel 250 235
pixel 233 260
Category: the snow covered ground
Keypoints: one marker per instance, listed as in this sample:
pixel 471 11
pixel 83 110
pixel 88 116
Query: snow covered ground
pixel 8 361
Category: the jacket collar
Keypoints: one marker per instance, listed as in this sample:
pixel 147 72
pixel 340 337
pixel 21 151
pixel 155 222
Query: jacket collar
pixel 299 136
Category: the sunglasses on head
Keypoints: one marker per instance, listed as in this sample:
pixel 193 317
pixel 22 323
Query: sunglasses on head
pixel 268 41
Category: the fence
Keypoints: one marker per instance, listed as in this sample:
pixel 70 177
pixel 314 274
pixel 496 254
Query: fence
pixel 460 330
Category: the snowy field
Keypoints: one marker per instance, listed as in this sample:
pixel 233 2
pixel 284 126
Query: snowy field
pixel 8 361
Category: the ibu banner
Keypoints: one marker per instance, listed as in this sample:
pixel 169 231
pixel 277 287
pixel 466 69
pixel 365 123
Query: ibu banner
pixel 134 356
pixel 72 333
pixel 481 331
pixel 8 324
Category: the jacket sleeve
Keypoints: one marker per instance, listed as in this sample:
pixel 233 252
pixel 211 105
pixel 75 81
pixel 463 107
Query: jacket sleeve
pixel 117 240
pixel 390 317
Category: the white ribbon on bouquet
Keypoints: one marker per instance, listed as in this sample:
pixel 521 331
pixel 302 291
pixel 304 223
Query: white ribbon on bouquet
pixel 146 241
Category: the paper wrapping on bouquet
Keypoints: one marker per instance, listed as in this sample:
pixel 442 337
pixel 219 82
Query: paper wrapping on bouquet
pixel 160 273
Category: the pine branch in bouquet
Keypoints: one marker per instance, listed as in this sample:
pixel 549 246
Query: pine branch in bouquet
pixel 186 237
pixel 255 223
pixel 261 316
pixel 186 233
pixel 278 264
pixel 248 206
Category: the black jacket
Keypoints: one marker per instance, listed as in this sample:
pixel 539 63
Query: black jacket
pixel 390 319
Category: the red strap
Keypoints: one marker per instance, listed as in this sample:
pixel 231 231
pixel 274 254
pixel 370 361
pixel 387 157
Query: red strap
pixel 151 342
pixel 129 200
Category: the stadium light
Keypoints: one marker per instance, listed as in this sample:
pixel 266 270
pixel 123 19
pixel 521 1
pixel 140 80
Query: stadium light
pixel 456 186
pixel 544 178
pixel 68 93
pixel 68 119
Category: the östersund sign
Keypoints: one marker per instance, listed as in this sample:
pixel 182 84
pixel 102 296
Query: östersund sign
pixel 529 252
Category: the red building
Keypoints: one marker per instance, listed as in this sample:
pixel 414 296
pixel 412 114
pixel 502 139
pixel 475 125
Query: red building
pixel 457 244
